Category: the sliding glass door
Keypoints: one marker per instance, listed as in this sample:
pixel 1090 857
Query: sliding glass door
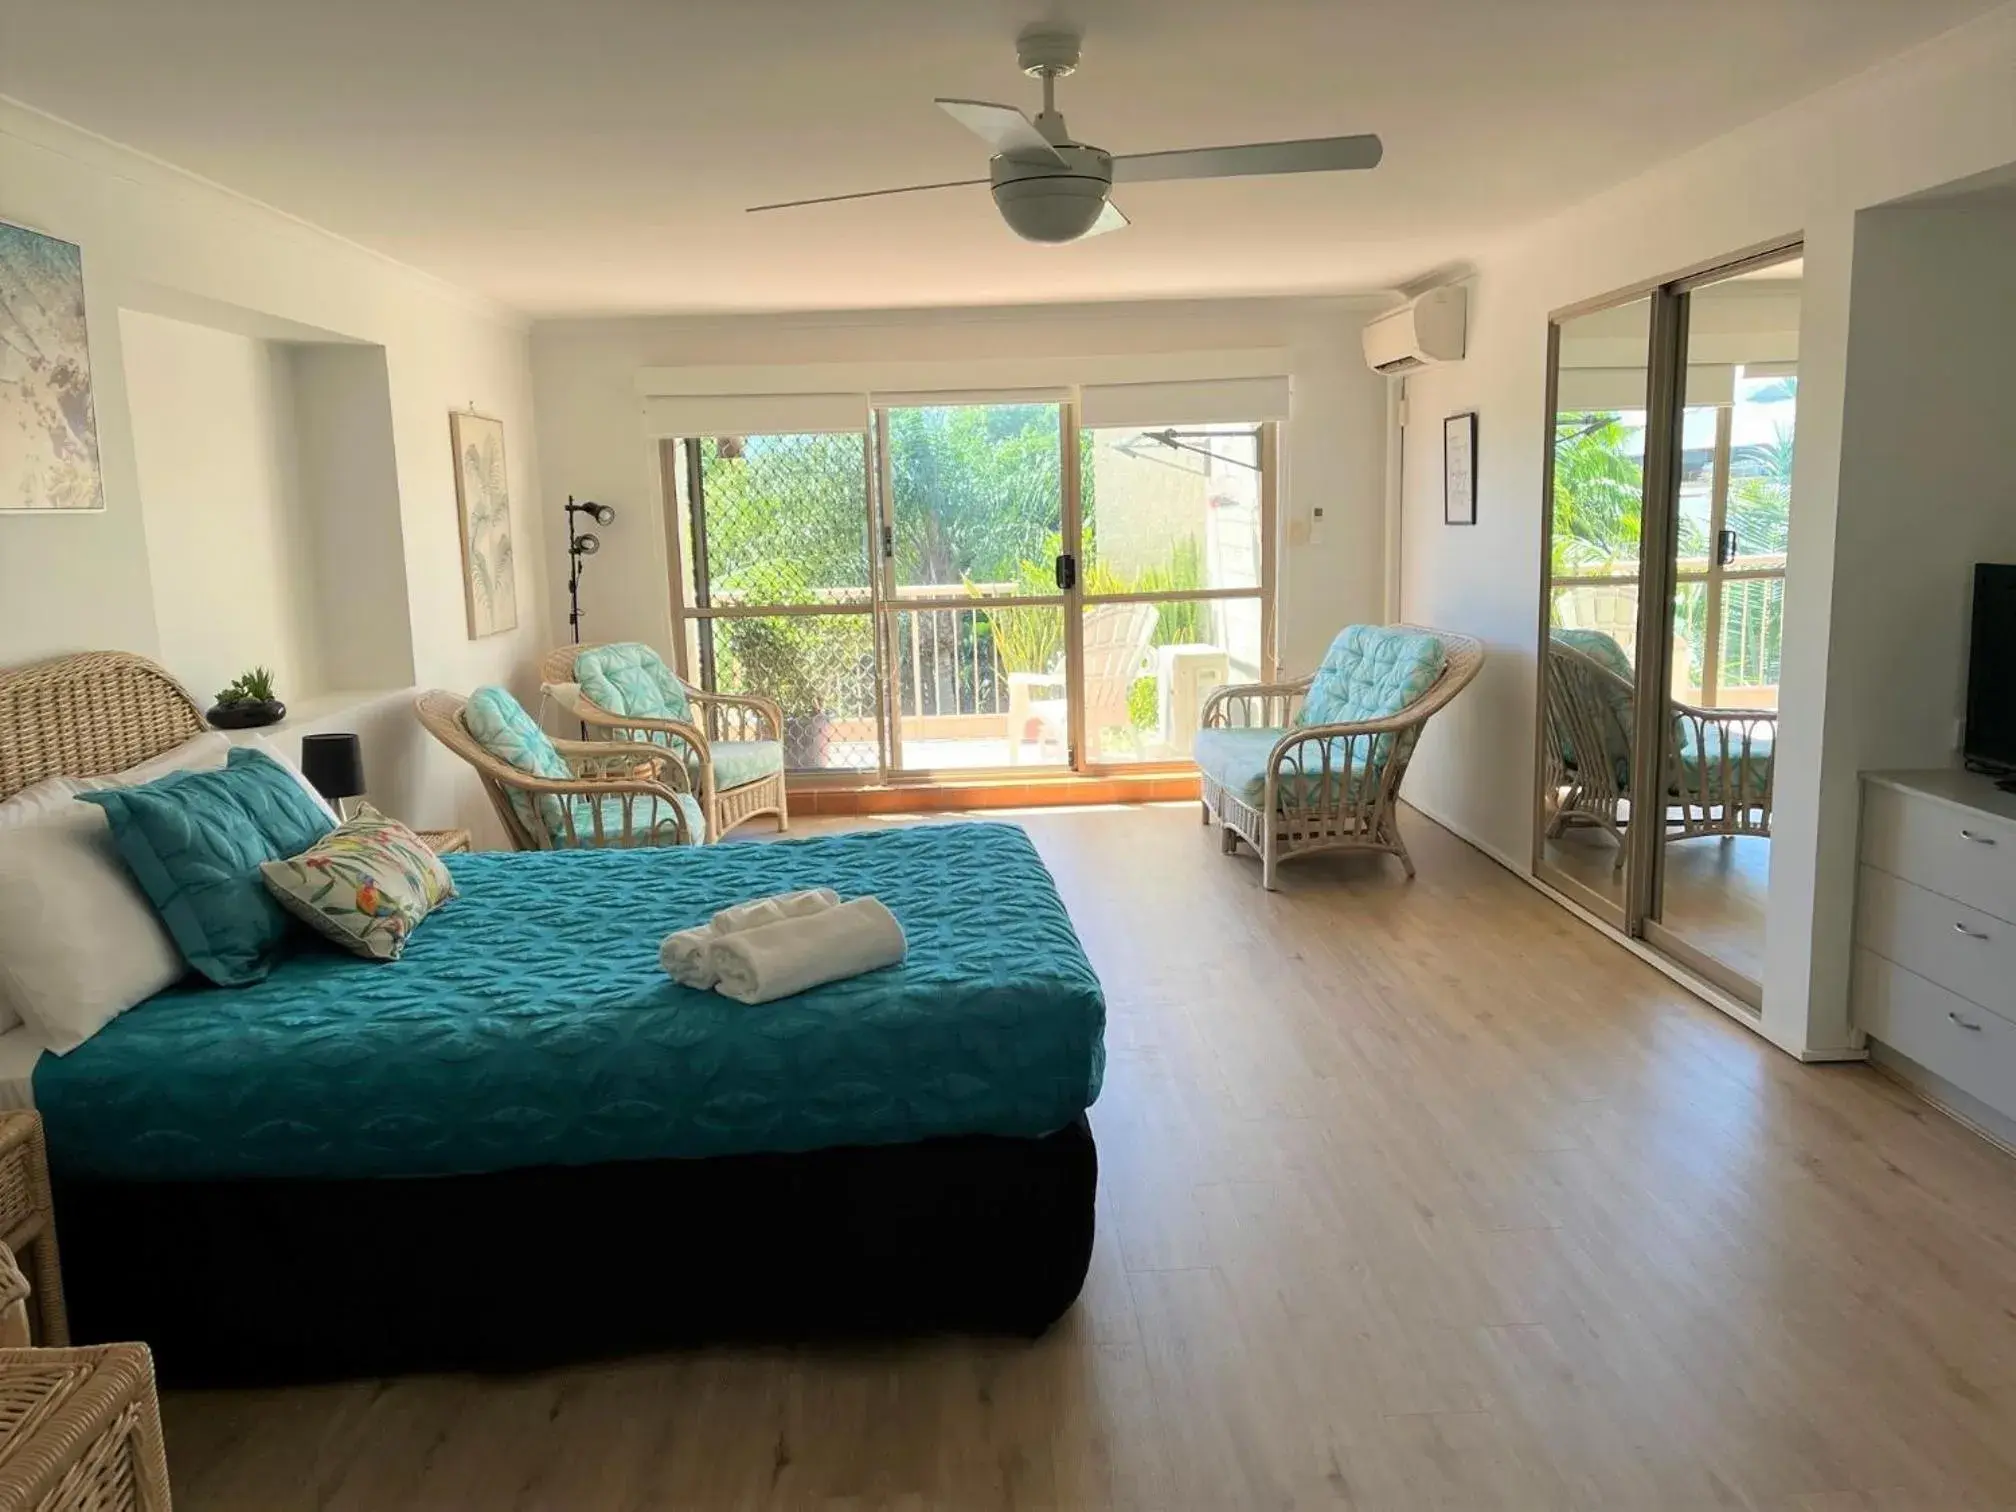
pixel 773 561
pixel 1176 564
pixel 979 586
pixel 973 530
pixel 1667 524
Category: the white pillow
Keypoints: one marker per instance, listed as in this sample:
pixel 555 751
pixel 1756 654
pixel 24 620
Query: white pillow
pixel 79 942
pixel 38 800
pixel 199 753
pixel 207 752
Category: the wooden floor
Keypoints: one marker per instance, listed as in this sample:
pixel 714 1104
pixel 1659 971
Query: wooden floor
pixel 1412 1196
pixel 1715 889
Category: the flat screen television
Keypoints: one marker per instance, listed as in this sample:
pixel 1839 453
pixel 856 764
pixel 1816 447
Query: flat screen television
pixel 1991 671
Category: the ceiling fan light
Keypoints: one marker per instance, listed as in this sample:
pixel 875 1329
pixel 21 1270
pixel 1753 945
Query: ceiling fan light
pixel 1051 209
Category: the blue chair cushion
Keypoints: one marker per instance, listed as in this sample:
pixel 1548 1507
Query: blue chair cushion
pixel 194 842
pixel 651 822
pixel 499 724
pixel 742 761
pixel 1236 759
pixel 1752 775
pixel 1371 672
pixel 630 678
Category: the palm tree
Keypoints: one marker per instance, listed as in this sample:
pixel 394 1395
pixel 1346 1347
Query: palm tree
pixel 1599 495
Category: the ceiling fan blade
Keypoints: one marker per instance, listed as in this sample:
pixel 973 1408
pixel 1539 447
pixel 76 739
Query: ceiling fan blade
pixel 834 199
pixel 1313 155
pixel 1110 219
pixel 1002 127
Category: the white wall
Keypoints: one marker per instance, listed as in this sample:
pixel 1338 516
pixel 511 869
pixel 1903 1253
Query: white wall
pixel 229 546
pixel 1943 112
pixel 161 241
pixel 349 481
pixel 592 440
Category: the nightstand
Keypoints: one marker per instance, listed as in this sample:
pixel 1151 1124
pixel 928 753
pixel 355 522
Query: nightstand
pixel 446 842
pixel 28 1220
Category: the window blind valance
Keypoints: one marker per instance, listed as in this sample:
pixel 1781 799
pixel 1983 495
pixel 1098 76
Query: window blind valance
pixel 1193 402
pixel 754 414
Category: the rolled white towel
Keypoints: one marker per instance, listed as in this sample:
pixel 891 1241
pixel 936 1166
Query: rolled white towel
pixel 684 955
pixel 770 910
pixel 777 960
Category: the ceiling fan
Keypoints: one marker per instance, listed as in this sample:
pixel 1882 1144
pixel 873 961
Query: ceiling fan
pixel 1050 188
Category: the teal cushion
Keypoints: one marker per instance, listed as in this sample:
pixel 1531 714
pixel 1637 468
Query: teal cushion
pixel 1236 759
pixel 194 842
pixel 1371 672
pixel 651 822
pixel 1613 693
pixel 740 761
pixel 1725 743
pixel 1600 648
pixel 630 678
pixel 503 728
pixel 499 724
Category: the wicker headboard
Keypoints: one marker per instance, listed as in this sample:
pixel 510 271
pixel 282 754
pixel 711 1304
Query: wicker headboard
pixel 86 715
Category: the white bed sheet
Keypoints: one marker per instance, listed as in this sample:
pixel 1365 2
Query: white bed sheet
pixel 19 1050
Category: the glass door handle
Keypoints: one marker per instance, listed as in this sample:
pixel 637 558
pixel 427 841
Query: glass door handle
pixel 1725 548
pixel 1067 572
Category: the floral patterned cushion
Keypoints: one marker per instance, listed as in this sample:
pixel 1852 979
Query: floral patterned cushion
pixel 365 885
pixel 630 678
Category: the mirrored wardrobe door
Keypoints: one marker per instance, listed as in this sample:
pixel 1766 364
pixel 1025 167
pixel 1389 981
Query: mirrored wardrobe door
pixel 1729 554
pixel 1599 379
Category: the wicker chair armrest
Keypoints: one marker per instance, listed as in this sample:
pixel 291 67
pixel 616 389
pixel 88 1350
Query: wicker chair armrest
pixel 1217 707
pixel 1393 724
pixel 769 714
pixel 602 761
pixel 598 790
pixel 1726 716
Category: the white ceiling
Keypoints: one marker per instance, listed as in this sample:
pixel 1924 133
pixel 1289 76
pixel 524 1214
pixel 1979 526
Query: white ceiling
pixel 589 156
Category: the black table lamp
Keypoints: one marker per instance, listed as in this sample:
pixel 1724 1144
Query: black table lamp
pixel 334 766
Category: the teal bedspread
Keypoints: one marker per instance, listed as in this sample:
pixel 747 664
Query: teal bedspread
pixel 529 1024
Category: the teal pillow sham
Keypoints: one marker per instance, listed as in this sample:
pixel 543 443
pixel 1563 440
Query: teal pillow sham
pixel 194 842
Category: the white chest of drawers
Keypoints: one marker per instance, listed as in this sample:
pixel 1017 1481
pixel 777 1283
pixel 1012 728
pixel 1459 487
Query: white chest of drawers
pixel 1935 931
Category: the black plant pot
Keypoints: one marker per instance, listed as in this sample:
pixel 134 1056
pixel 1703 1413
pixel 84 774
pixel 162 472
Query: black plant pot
pixel 247 716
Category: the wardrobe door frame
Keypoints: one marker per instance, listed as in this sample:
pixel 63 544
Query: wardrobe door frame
pixel 1658 544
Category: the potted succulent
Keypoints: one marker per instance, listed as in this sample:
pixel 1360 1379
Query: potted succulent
pixel 248 703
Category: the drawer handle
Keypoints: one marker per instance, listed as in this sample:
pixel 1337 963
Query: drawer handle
pixel 1967 834
pixel 1972 934
pixel 1972 1028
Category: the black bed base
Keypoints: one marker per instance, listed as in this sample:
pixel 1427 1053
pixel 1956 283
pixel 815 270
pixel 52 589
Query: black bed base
pixel 271 1281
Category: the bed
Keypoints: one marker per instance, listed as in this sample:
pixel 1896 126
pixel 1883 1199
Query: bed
pixel 523 1144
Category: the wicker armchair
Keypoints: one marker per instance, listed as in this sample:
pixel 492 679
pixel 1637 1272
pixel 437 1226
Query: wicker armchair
pixel 620 793
pixel 1323 786
pixel 732 719
pixel 1718 763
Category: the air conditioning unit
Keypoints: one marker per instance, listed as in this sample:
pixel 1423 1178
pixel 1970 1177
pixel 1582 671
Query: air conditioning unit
pixel 1422 331
pixel 1184 677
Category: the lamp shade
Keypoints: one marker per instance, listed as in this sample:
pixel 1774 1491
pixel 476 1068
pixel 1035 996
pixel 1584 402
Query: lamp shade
pixel 333 764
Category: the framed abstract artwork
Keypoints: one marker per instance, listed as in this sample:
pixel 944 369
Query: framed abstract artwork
pixel 483 501
pixel 1459 469
pixel 48 427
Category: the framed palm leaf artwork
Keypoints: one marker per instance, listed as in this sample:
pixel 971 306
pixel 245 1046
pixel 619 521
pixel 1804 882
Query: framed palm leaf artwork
pixel 483 500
